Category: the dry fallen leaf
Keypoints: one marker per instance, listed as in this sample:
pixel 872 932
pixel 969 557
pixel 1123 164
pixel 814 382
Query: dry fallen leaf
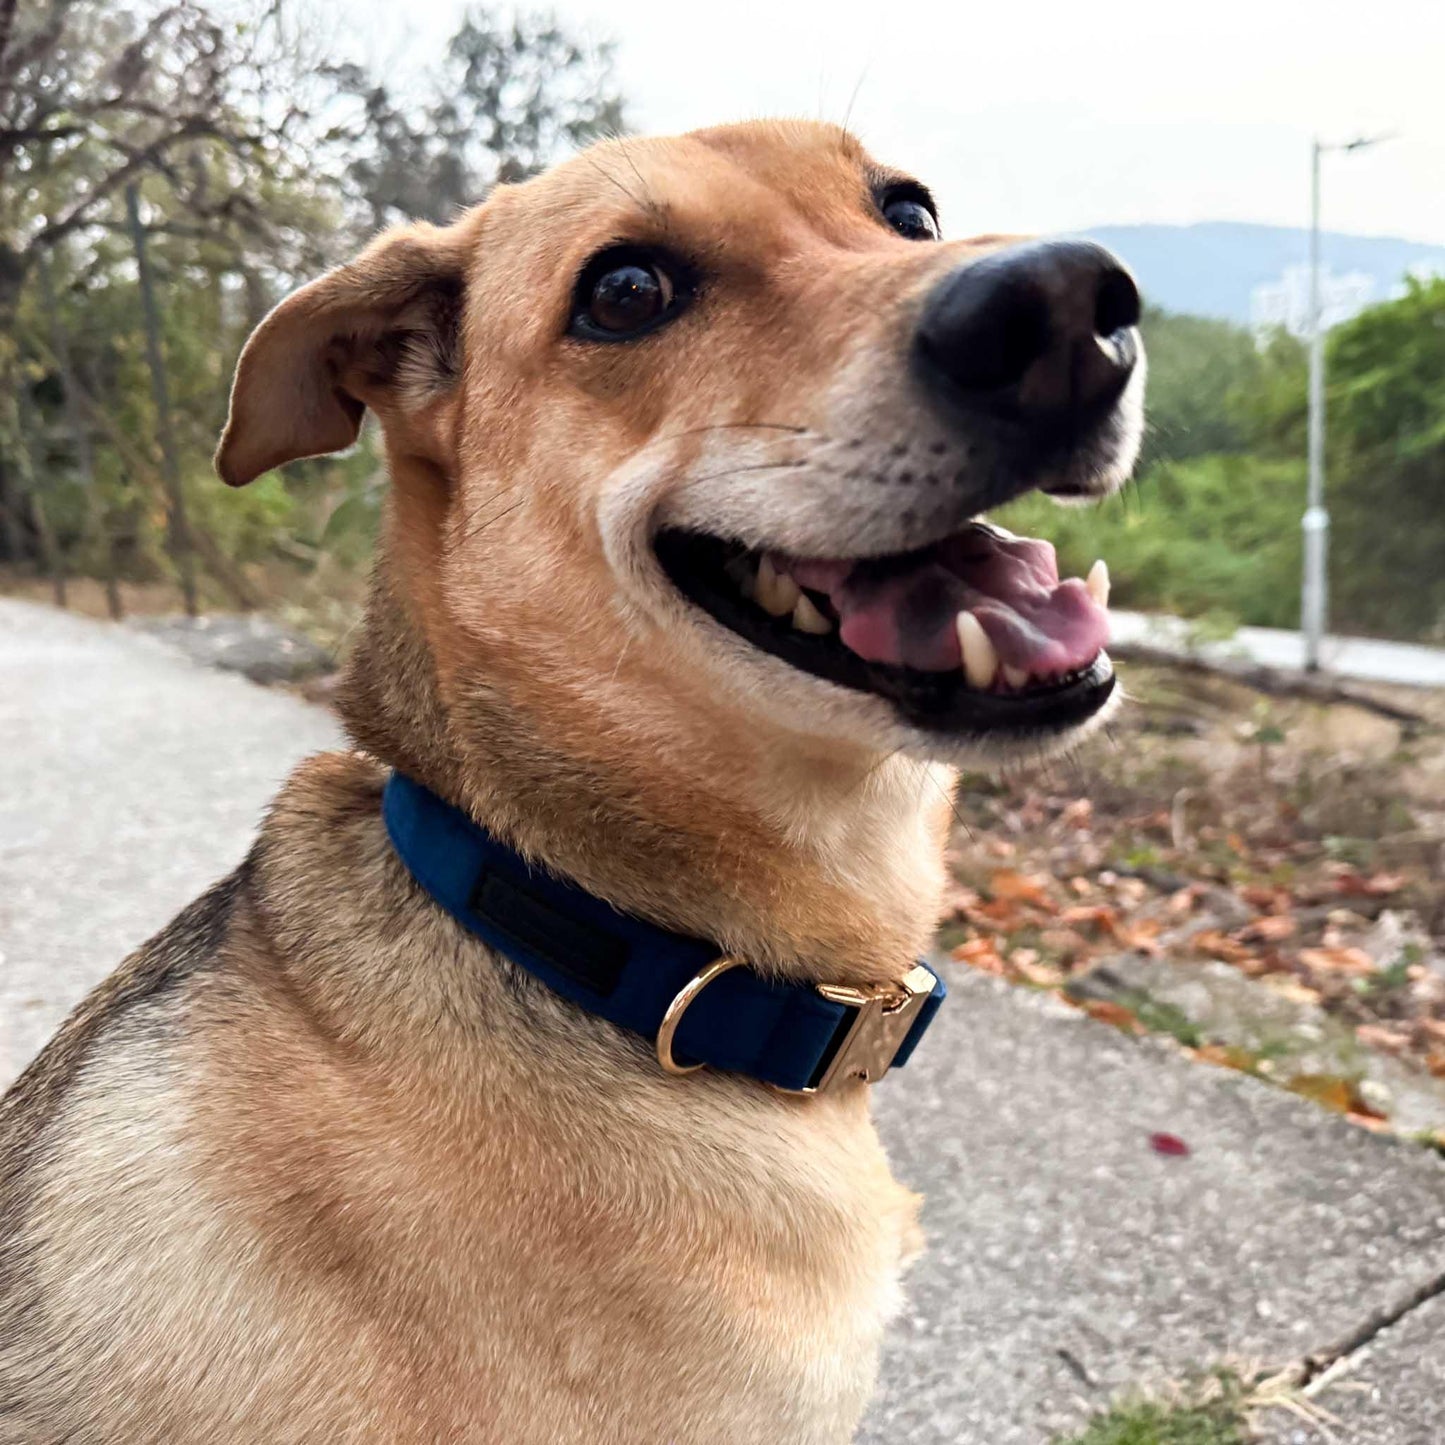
pixel 1220 945
pixel 1382 1036
pixel 1377 885
pixel 1092 915
pixel 1005 884
pixel 1224 1056
pixel 1272 928
pixel 1291 988
pixel 1142 935
pixel 1353 961
pixel 1432 1029
pixel 1328 1089
pixel 1109 1012
pixel 1376 1123
pixel 1041 975
pixel 1265 899
pixel 981 953
pixel 1181 904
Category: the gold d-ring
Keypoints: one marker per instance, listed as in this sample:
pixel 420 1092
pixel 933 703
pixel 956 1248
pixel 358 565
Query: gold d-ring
pixel 675 1010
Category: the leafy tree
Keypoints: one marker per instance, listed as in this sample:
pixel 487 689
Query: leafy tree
pixel 257 162
pixel 509 97
pixel 1386 459
pixel 1201 373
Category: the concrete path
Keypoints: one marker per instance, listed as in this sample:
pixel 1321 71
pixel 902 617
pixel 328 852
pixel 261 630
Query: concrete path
pixel 1361 658
pixel 1067 1257
pixel 131 779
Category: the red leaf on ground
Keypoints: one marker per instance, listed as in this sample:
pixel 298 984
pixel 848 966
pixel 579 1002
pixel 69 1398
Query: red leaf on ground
pixel 1170 1145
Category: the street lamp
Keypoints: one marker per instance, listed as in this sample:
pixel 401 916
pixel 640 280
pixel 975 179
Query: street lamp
pixel 1314 602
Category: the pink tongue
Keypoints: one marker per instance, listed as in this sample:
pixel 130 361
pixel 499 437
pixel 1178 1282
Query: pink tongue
pixel 905 616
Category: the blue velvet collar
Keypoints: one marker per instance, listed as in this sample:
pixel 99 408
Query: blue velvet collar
pixel 645 978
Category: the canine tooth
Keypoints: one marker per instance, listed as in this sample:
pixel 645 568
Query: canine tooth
pixel 807 618
pixel 1098 582
pixel 775 591
pixel 980 661
pixel 1016 677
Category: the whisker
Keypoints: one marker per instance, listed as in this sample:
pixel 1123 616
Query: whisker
pixel 756 467
pixel 738 426
pixel 873 768
pixel 473 532
pixel 487 501
pixel 952 806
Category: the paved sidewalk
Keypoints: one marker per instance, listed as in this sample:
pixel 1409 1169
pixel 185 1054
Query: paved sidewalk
pixel 131 780
pixel 1067 1258
pixel 1364 659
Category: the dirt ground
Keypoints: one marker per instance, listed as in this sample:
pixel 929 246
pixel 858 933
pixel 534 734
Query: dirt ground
pixel 1262 880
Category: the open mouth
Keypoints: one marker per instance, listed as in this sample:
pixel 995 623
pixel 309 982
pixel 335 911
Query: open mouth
pixel 974 633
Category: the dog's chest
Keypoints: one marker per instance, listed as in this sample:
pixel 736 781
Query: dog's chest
pixel 691 1295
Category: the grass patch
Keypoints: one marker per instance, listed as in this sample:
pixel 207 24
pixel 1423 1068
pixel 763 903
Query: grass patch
pixel 1211 1412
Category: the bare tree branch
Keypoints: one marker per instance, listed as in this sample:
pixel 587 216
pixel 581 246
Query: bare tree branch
pixel 146 158
pixel 7 28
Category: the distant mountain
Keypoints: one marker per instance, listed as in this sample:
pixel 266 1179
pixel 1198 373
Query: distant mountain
pixel 1212 268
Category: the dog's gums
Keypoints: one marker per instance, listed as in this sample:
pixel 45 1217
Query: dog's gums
pixel 975 631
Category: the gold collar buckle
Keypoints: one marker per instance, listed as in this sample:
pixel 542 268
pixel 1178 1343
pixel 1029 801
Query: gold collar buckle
pixel 884 1018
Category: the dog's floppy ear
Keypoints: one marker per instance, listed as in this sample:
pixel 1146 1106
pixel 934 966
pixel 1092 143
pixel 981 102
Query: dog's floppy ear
pixel 381 331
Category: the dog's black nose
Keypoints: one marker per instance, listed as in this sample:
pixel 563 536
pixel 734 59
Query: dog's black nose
pixel 1041 331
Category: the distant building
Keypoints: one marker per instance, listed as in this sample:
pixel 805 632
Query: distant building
pixel 1286 302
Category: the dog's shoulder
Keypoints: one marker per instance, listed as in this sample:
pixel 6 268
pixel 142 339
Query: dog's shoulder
pixel 150 987
pixel 153 975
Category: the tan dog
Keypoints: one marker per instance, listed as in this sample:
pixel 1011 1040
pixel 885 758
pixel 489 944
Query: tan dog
pixel 316 1164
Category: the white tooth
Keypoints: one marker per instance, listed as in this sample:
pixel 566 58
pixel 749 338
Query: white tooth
pixel 1098 582
pixel 980 661
pixel 1016 677
pixel 786 593
pixel 807 618
pixel 763 587
pixel 776 592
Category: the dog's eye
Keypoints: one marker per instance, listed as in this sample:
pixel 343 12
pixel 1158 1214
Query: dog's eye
pixel 910 216
pixel 622 293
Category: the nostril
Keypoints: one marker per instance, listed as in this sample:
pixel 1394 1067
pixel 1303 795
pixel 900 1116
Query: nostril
pixel 1116 303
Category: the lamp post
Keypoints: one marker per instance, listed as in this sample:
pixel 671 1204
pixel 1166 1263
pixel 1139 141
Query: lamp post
pixel 1314 598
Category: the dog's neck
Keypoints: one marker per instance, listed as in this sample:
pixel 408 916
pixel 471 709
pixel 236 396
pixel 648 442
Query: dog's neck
pixel 837 876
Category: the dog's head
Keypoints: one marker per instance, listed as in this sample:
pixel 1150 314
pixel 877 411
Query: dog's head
pixel 713 421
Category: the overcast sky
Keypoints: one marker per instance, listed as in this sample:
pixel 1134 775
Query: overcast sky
pixel 1038 115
